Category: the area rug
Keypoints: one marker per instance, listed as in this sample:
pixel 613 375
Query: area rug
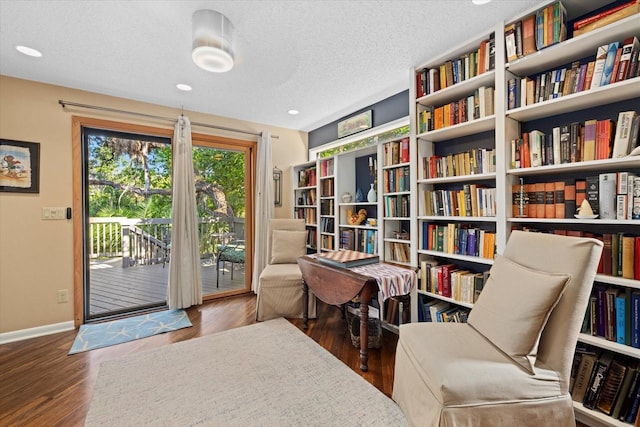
pixel 98 335
pixel 266 374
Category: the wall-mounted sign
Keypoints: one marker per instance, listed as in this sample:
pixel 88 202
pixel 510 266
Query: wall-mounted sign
pixel 355 124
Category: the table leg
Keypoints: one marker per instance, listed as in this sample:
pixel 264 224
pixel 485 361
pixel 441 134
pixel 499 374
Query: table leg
pixel 305 305
pixel 365 298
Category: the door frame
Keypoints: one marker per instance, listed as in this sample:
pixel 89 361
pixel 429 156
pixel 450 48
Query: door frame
pixel 77 123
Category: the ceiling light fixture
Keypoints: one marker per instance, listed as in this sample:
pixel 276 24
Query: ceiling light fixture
pixel 183 87
pixel 29 51
pixel 293 112
pixel 479 2
pixel 212 41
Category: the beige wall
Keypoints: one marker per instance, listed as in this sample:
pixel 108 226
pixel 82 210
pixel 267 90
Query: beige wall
pixel 36 258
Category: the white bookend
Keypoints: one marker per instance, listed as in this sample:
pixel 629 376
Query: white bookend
pixel 630 179
pixel 636 198
pixel 607 196
pixel 621 206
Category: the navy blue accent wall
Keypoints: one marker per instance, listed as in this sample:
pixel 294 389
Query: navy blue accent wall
pixel 384 111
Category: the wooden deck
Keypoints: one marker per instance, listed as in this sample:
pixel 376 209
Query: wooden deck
pixel 115 288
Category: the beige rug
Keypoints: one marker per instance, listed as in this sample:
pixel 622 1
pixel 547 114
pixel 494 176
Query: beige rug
pixel 267 374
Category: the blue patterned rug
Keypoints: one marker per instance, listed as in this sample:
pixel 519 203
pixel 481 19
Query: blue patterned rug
pixel 100 335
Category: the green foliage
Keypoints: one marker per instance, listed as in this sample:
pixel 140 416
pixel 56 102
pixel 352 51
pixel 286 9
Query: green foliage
pixel 132 178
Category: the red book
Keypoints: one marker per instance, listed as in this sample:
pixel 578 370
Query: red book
pixel 581 191
pixel 404 150
pixel 445 289
pixel 616 66
pixel 593 18
pixel 525 156
pixel 607 254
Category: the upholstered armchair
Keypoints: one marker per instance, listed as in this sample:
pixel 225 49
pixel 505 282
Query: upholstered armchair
pixel 510 364
pixel 280 283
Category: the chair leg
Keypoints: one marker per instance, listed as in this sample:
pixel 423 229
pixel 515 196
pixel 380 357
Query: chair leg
pixel 218 273
pixel 231 270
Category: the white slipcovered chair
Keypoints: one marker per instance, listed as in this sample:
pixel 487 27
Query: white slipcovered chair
pixel 511 364
pixel 280 283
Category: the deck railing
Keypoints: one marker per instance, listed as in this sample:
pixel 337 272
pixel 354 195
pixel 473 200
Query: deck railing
pixel 148 241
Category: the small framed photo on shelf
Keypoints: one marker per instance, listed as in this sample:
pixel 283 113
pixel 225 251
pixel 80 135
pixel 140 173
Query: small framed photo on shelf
pixel 19 166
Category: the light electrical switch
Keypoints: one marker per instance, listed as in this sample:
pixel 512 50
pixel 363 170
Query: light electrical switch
pixel 46 213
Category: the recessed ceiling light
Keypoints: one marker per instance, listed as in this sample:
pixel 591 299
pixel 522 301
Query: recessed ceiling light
pixel 293 112
pixel 183 87
pixel 29 51
pixel 480 1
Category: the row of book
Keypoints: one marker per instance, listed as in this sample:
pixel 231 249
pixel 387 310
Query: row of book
pixel 307 177
pixel 578 142
pixel 472 200
pixel 450 281
pixel 613 314
pixel 472 107
pixel 397 206
pixel 327 207
pixel 611 195
pixel 614 62
pixel 326 187
pixel 620 252
pixel 360 240
pixel 396 152
pixel 433 310
pixel 400 252
pixel 327 242
pixel 308 214
pixel 544 28
pixel 312 239
pixel 606 383
pixel 454 71
pixel 327 224
pixel 472 162
pixel 307 197
pixel 458 239
pixel 395 180
pixel 326 168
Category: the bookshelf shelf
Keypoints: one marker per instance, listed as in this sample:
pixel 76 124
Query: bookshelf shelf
pixel 620 91
pixel 596 221
pixel 468 258
pixel 459 218
pixel 610 345
pixel 595 418
pixel 586 166
pixel 482 124
pixel 447 299
pixel 619 281
pixel 461 178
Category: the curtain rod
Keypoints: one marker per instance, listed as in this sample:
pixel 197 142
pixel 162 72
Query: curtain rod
pixel 133 113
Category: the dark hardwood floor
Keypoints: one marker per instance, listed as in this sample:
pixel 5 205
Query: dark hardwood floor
pixel 40 385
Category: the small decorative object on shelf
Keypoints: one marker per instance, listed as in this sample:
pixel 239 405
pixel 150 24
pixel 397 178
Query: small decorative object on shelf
pixel 356 218
pixel 359 195
pixel 347 197
pixel 371 195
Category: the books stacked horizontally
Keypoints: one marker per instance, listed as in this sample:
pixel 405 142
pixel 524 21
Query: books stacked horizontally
pixel 347 259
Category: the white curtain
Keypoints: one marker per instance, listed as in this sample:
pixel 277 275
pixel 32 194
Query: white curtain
pixel 263 206
pixel 185 286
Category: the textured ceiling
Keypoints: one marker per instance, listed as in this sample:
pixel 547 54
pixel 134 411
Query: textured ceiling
pixel 323 58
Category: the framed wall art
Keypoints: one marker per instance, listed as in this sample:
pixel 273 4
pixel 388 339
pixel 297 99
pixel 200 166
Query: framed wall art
pixel 19 166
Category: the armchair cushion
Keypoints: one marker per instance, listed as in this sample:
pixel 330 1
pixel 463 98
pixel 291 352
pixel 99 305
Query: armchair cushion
pixel 514 307
pixel 287 246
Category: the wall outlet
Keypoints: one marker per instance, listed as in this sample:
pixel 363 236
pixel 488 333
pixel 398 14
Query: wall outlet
pixel 63 295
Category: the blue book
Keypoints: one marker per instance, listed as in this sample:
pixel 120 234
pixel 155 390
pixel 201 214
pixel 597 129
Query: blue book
pixel 620 318
pixel 425 235
pixel 471 244
pixel 609 63
pixel 635 319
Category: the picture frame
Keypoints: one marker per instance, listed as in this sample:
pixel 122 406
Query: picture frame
pixel 355 124
pixel 19 166
pixel 277 187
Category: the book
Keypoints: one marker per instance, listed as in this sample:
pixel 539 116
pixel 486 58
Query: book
pixel 605 17
pixel 592 190
pixel 629 45
pixel 347 259
pixel 589 150
pixel 622 139
pixel 611 386
pixel 598 67
pixel 628 244
pixel 569 198
pixel 596 382
pixel 627 381
pixel 585 368
pixel 559 199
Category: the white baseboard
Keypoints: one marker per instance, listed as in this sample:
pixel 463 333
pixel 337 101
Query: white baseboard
pixel 38 331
